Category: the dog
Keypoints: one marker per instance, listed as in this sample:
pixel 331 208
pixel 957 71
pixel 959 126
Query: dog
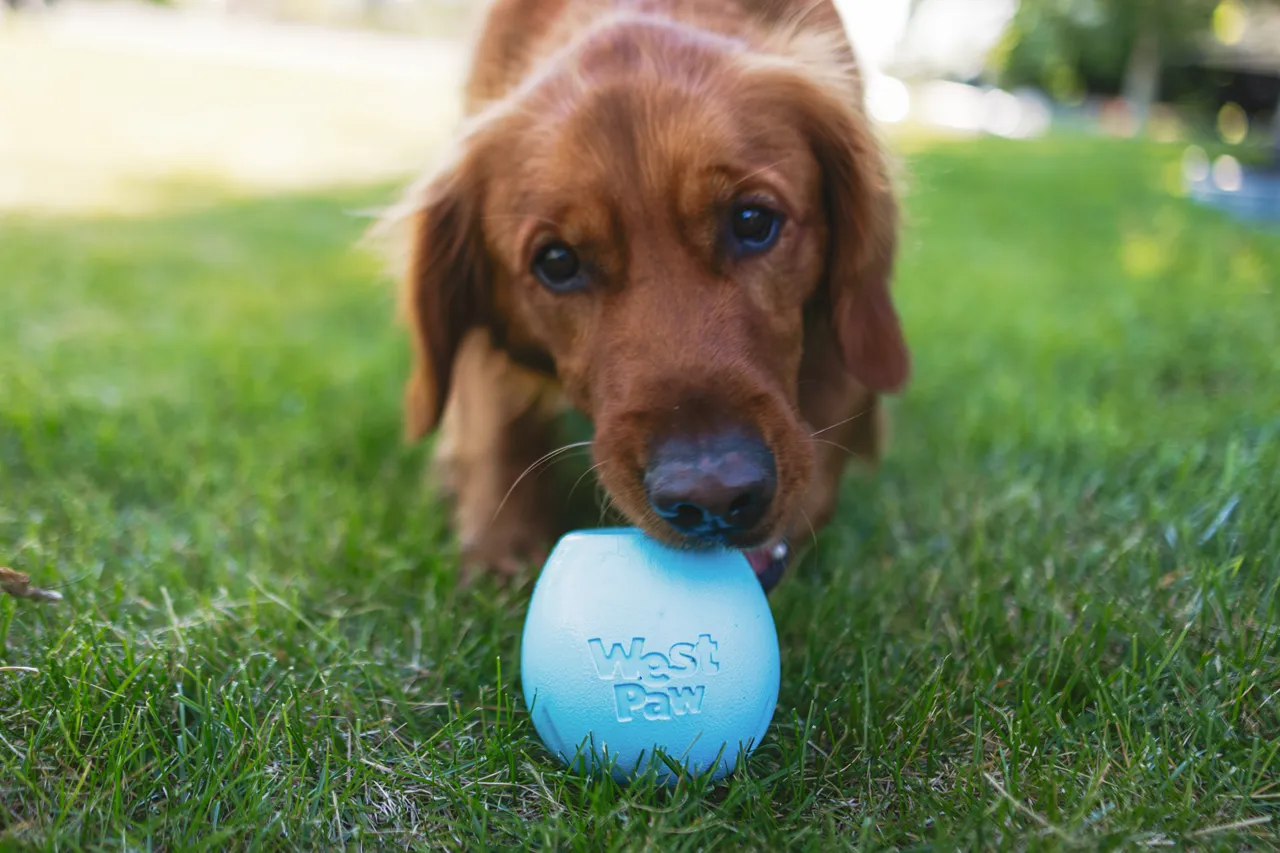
pixel 676 217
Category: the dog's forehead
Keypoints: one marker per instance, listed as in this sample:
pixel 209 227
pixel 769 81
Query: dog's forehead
pixel 644 138
pixel 637 97
pixel 631 46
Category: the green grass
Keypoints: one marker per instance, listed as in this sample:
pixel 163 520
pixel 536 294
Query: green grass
pixel 1052 621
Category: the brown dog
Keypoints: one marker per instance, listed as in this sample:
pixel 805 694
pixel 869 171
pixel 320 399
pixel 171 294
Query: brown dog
pixel 675 217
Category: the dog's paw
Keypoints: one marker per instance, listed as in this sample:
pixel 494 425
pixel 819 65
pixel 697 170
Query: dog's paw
pixel 444 477
pixel 502 555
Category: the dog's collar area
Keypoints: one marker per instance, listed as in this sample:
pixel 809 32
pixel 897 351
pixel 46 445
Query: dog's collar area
pixel 769 563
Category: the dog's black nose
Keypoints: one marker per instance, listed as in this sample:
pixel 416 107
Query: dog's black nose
pixel 711 486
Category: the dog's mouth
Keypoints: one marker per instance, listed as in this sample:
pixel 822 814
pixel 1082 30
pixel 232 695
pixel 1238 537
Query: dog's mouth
pixel 769 563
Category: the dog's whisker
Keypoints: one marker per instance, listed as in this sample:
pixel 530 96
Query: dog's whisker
pixel 582 477
pixel 559 451
pixel 832 444
pixel 847 420
pixel 759 171
pixel 606 505
pixel 494 216
pixel 813 533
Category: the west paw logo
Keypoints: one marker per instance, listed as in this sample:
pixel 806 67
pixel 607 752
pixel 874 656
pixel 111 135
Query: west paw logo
pixel 656 685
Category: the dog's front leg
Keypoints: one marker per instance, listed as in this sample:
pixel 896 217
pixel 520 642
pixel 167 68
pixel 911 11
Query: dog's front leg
pixel 491 455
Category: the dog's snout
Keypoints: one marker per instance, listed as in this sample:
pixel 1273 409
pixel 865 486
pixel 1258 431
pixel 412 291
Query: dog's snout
pixel 711 487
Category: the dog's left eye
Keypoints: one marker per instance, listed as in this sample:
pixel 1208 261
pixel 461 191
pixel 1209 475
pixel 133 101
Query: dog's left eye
pixel 755 227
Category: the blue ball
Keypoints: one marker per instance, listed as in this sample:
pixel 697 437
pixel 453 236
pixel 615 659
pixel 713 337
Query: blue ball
pixel 630 645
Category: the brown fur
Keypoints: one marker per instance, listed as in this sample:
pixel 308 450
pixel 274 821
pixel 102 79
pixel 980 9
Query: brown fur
pixel 627 129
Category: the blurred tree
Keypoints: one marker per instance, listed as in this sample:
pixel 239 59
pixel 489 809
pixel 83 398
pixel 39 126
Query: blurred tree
pixel 1119 46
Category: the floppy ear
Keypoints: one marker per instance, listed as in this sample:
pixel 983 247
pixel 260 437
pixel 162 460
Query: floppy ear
pixel 862 217
pixel 863 236
pixel 445 288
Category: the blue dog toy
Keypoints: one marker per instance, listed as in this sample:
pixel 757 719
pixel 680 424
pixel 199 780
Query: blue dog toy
pixel 631 646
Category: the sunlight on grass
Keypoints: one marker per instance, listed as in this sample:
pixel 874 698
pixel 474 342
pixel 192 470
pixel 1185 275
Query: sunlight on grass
pixel 85 129
pixel 1142 255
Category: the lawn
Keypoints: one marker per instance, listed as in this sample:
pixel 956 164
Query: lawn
pixel 1052 621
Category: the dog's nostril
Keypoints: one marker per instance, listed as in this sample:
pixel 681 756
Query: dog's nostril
pixel 688 516
pixel 740 505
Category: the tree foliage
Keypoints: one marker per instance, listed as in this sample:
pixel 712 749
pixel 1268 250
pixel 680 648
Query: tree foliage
pixel 1072 46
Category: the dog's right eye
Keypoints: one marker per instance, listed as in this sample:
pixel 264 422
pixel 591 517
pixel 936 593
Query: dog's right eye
pixel 556 266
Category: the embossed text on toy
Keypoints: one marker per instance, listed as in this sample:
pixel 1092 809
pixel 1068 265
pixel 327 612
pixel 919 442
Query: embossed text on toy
pixel 654 684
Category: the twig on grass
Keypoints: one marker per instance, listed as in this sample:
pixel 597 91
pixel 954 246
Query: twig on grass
pixel 1231 827
pixel 19 586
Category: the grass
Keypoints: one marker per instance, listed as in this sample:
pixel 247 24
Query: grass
pixel 1051 622
pixel 165 128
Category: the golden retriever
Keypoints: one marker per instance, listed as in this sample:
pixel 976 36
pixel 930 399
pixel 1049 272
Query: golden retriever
pixel 677 218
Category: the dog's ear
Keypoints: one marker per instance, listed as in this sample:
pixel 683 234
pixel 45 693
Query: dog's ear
pixel 862 217
pixel 863 239
pixel 445 287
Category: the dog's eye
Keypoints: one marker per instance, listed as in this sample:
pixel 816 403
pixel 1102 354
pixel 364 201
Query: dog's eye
pixel 556 265
pixel 755 227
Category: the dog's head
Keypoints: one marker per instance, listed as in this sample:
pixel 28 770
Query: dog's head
pixel 659 218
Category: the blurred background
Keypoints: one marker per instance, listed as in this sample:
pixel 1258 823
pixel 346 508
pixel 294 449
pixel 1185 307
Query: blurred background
pixel 105 103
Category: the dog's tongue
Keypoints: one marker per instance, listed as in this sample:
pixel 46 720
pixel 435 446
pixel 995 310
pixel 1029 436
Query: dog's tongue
pixel 769 563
